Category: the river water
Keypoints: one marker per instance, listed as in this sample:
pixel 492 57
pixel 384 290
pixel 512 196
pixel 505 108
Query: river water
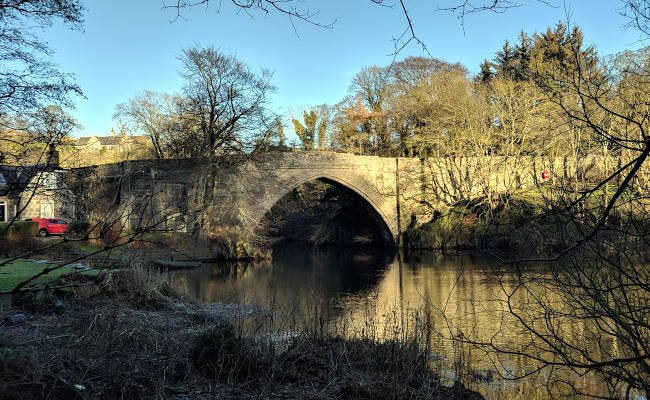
pixel 382 295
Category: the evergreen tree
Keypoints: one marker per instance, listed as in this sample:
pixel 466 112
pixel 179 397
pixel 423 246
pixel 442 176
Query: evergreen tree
pixel 306 132
pixel 279 130
pixel 562 49
pixel 557 53
pixel 486 74
pixel 522 58
pixel 322 133
pixel 505 61
pixel 324 121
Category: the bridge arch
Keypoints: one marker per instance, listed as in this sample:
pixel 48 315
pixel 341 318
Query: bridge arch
pixel 362 189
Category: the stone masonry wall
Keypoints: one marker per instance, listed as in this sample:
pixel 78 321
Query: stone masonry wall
pixel 187 195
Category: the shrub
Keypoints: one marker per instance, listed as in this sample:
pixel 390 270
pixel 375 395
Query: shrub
pixel 229 246
pixel 141 286
pixel 105 234
pixel 220 354
pixel 450 231
pixel 19 229
pixel 18 237
pixel 78 227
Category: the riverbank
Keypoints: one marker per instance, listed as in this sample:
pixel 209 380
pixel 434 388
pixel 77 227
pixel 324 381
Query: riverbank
pixel 134 336
pixel 525 224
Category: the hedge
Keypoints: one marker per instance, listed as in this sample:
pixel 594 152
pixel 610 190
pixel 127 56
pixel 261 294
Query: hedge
pixel 19 228
pixel 78 227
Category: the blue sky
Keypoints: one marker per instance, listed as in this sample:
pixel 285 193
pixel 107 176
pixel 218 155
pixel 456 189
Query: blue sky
pixel 128 46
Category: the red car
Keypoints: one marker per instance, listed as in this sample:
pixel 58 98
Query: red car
pixel 50 226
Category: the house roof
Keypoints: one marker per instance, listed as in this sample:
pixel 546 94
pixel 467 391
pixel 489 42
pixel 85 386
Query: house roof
pixel 110 140
pixel 103 140
pixel 82 141
pixel 15 179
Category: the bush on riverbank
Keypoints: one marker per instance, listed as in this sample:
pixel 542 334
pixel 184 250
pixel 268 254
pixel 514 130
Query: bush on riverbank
pixel 118 352
pixel 227 244
pixel 539 221
pixel 475 226
pixel 140 286
pixel 78 228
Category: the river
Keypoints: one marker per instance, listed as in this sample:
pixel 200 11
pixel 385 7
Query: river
pixel 383 295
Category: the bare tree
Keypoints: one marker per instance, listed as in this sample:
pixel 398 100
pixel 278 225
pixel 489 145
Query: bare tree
pixel 225 100
pixel 32 89
pixel 28 81
pixel 32 124
pixel 223 108
pixel 157 115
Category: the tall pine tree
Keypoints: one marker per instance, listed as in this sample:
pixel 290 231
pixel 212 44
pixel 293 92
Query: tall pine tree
pixel 522 58
pixel 486 74
pixel 505 61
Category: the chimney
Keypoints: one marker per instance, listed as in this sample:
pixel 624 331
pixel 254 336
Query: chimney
pixel 52 156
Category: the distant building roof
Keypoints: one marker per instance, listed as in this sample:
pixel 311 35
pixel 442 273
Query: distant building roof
pixel 110 140
pixel 82 141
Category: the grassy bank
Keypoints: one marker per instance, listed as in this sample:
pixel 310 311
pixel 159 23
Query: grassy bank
pixel 20 270
pixel 135 337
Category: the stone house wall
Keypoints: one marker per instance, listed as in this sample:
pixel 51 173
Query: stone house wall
pixel 47 196
pixel 11 207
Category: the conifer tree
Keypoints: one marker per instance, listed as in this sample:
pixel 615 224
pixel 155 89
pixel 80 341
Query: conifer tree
pixel 486 74
pixel 279 129
pixel 505 61
pixel 306 132
pixel 522 58
pixel 322 133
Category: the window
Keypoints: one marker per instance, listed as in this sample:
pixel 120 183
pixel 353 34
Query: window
pixel 3 211
pixel 49 181
pixel 47 209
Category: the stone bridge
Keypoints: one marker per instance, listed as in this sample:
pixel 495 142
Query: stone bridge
pixel 236 194
pixel 259 185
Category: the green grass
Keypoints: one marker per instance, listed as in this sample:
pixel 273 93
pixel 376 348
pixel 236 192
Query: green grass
pixel 20 270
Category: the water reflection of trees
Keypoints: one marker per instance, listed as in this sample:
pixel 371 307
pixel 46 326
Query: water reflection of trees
pixel 586 316
pixel 463 300
pixel 379 296
pixel 294 275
